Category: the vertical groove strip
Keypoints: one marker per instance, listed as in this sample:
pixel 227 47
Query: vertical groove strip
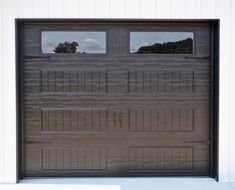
pixel 193 82
pixel 77 81
pixel 143 82
pixel 78 125
pixel 48 81
pixel 99 80
pixel 92 82
pixel 135 81
pixel 55 82
pixel 84 81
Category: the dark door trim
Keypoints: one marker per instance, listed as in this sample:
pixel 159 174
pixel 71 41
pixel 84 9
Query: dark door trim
pixel 215 24
pixel 215 100
pixel 19 97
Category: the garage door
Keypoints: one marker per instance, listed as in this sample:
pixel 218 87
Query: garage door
pixel 116 99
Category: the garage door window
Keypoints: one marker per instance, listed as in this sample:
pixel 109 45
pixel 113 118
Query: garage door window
pixel 76 42
pixel 161 42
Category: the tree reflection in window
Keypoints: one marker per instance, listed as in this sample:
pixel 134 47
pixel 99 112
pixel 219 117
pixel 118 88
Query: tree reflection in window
pixel 161 42
pixel 73 42
pixel 66 47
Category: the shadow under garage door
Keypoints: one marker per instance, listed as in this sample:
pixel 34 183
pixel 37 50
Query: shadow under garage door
pixel 116 99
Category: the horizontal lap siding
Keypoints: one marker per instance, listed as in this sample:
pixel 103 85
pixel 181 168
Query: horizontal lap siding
pixel 167 9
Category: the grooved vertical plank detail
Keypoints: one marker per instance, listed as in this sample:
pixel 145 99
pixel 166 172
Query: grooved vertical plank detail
pixel 74 120
pixel 74 158
pixel 146 81
pixel 172 120
pixel 58 81
pixel 160 158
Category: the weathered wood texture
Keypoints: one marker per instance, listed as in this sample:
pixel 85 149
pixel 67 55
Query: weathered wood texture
pixel 117 114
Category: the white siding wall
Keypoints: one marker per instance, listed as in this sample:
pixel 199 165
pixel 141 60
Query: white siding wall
pixel 232 93
pixel 1 98
pixel 164 9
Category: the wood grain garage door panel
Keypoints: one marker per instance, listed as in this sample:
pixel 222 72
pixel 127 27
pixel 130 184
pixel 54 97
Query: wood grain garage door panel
pixel 175 118
pixel 160 158
pixel 168 81
pixel 164 159
pixel 167 120
pixel 117 114
pixel 73 81
pixel 74 158
pixel 51 159
pixel 119 81
pixel 74 120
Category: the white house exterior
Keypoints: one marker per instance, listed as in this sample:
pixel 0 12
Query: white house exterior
pixel 223 10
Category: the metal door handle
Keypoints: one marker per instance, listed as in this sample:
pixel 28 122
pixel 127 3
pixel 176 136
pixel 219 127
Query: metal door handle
pixel 117 116
pixel 114 119
pixel 120 118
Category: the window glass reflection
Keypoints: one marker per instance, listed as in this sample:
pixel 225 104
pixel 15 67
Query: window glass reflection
pixel 73 42
pixel 161 42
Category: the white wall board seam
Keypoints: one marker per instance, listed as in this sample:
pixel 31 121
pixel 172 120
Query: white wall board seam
pixel 1 100
pixel 230 74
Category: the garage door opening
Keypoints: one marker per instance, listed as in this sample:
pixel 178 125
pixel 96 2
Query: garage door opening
pixel 117 98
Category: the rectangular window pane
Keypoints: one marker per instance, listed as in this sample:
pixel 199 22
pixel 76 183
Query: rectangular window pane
pixel 161 42
pixel 73 42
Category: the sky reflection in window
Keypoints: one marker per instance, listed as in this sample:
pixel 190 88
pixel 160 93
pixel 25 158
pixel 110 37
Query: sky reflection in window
pixel 161 42
pixel 73 42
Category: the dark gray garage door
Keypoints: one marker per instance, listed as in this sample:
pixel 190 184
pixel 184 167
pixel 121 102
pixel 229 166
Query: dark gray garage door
pixel 116 99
